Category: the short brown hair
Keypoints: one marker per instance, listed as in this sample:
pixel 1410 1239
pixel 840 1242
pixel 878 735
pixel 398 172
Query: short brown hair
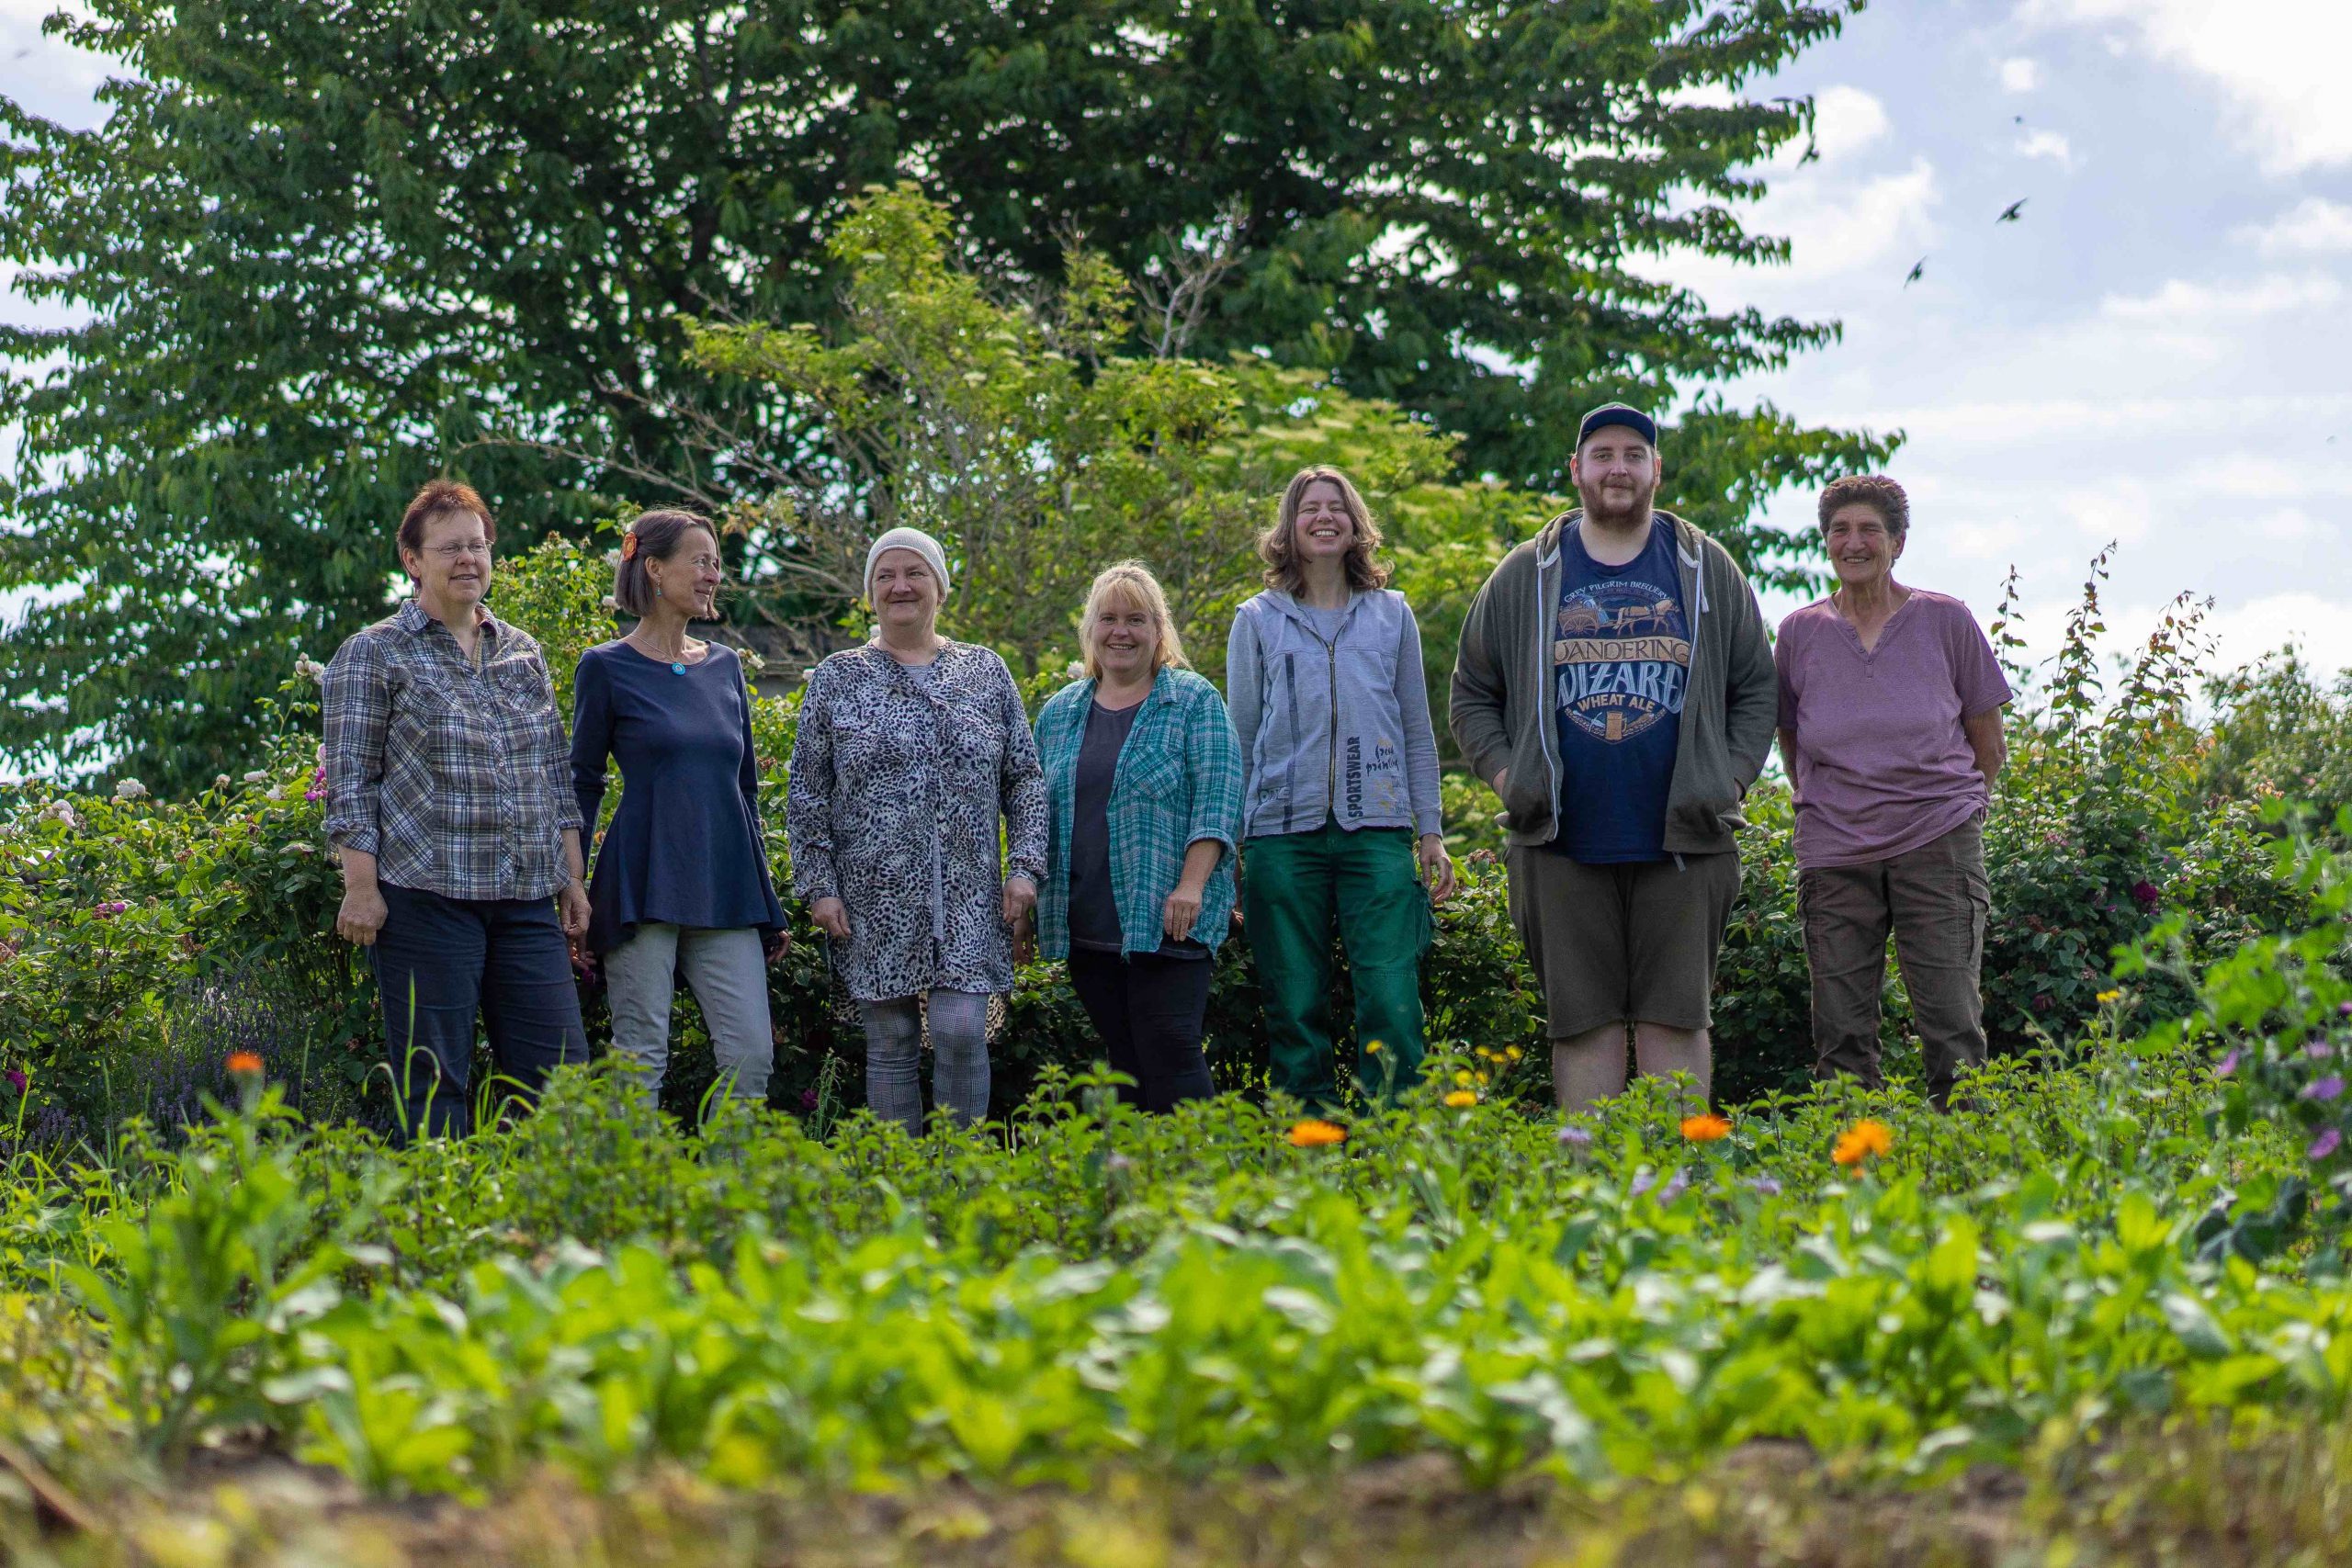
pixel 1878 493
pixel 1278 545
pixel 658 535
pixel 438 499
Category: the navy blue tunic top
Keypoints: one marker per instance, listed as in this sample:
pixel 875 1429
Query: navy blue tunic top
pixel 684 848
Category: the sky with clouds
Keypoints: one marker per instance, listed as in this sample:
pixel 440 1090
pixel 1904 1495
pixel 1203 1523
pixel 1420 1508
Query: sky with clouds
pixel 2154 353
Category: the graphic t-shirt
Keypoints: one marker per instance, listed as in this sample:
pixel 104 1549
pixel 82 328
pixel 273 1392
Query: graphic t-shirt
pixel 1621 659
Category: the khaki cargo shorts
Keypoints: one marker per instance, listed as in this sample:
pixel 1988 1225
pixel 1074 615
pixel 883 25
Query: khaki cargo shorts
pixel 1622 944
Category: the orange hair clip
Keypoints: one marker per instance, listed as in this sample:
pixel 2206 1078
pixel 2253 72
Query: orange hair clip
pixel 628 544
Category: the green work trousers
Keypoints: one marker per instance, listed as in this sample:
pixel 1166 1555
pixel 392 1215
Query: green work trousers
pixel 1294 887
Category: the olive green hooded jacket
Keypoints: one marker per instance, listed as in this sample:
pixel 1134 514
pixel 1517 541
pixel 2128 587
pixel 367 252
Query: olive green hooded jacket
pixel 1502 712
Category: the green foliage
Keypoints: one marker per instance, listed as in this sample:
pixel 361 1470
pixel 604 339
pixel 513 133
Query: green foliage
pixel 456 240
pixel 204 1290
pixel 2278 1009
pixel 2281 735
pixel 600 1290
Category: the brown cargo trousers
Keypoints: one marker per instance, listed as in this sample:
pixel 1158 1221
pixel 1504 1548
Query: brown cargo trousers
pixel 1934 898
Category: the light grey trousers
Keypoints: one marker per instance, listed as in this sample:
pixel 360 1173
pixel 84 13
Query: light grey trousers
pixel 959 1047
pixel 728 971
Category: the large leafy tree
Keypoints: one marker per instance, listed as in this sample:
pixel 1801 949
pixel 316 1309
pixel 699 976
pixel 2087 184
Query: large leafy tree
pixel 328 249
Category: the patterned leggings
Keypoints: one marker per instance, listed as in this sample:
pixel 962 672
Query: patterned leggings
pixel 959 1043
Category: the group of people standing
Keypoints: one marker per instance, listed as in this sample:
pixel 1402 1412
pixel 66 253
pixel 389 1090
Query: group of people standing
pixel 1614 685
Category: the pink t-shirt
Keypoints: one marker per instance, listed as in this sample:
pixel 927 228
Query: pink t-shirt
pixel 1882 765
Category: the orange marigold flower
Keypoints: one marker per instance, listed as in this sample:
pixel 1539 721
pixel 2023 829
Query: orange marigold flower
pixel 1313 1135
pixel 1462 1100
pixel 1861 1141
pixel 245 1061
pixel 1705 1129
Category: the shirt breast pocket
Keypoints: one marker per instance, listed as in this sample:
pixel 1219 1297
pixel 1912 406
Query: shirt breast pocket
pixel 1155 778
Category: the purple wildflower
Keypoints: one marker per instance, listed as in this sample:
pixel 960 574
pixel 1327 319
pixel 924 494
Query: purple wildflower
pixel 809 1097
pixel 2319 1050
pixel 2324 1090
pixel 2344 1009
pixel 109 910
pixel 1766 1187
pixel 2229 1064
pixel 2145 894
pixel 1642 1183
pixel 16 1079
pixel 1574 1138
pixel 1674 1185
pixel 2326 1144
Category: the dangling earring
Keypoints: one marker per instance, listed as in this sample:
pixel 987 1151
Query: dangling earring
pixel 657 591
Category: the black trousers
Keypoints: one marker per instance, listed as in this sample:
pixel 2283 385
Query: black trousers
pixel 1149 1011
pixel 441 962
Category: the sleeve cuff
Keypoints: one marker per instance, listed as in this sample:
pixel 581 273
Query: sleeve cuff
pixel 364 841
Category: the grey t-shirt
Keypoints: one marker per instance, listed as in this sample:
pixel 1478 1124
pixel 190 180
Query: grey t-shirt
pixel 1327 622
pixel 1093 913
pixel 1093 910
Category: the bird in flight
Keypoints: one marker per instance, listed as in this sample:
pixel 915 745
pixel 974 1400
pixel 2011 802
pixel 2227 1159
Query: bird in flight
pixel 1917 267
pixel 2009 213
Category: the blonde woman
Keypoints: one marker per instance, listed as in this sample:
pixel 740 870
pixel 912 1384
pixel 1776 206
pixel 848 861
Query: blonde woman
pixel 1143 785
pixel 1340 822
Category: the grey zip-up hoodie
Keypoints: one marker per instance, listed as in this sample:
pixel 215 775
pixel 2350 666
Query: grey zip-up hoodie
pixel 1503 715
pixel 1338 729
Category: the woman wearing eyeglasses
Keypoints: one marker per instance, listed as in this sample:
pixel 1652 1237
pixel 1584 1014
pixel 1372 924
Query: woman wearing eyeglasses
pixel 449 799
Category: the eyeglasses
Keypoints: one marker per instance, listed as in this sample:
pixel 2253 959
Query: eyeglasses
pixel 451 552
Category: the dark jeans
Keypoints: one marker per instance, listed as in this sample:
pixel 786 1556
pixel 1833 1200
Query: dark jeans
pixel 439 962
pixel 1934 900
pixel 1148 1011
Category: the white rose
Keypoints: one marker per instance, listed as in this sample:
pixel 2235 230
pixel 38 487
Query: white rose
pixel 275 792
pixel 257 775
pixel 129 789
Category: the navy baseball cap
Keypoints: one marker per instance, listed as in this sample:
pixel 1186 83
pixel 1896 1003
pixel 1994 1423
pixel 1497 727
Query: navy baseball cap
pixel 1625 414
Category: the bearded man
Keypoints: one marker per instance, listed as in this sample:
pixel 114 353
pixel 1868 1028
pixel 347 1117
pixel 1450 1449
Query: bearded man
pixel 1616 686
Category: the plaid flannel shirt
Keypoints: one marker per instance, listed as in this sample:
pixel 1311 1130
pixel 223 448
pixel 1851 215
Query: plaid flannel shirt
pixel 1177 781
pixel 454 775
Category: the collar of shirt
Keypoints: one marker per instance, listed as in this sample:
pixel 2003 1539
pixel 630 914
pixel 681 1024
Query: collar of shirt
pixel 414 621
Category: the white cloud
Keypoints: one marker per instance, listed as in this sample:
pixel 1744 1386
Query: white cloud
pixel 2047 144
pixel 2291 527
pixel 2185 303
pixel 2020 75
pixel 2243 632
pixel 1845 120
pixel 1835 224
pixel 2279 63
pixel 2313 225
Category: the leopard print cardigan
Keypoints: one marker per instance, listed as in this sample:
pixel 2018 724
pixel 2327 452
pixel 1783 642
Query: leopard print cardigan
pixel 896 784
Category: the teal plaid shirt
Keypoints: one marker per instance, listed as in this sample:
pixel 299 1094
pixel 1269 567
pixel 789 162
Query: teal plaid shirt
pixel 1179 781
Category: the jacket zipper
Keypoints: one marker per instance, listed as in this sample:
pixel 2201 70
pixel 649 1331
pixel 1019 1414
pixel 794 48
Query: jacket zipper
pixel 1331 766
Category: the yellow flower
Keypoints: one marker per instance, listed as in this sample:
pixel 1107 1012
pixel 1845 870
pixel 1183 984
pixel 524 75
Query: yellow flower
pixel 1313 1135
pixel 1705 1129
pixel 1514 1052
pixel 1863 1140
pixel 2105 996
pixel 1462 1077
pixel 1374 1047
pixel 1462 1100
